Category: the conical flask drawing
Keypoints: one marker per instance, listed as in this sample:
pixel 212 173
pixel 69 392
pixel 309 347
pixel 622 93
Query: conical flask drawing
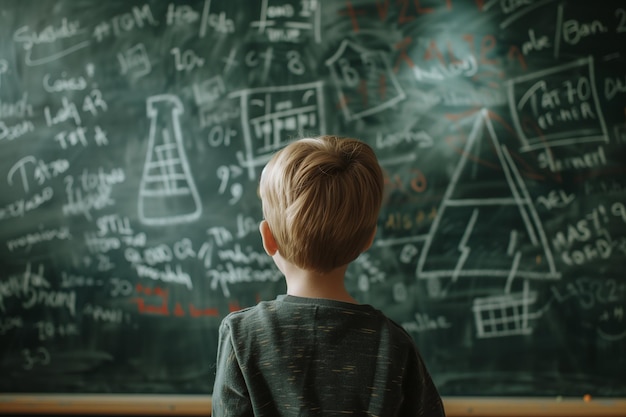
pixel 167 192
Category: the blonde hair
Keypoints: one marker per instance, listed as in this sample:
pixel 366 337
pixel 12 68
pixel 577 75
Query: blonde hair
pixel 321 198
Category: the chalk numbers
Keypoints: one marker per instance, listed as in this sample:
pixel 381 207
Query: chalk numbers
pixel 186 60
pixel 121 288
pixel 294 63
pixel 35 357
pixel 94 102
pixel 104 263
pixel 48 330
pixel 224 174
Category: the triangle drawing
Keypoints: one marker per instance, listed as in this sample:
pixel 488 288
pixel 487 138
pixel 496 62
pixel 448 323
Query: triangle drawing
pixel 486 224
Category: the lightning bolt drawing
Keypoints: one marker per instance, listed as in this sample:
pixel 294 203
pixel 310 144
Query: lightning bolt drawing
pixel 463 248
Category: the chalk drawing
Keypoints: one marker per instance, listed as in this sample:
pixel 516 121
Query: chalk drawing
pixel 167 192
pixel 558 106
pixel 272 116
pixel 281 22
pixel 364 81
pixel 488 219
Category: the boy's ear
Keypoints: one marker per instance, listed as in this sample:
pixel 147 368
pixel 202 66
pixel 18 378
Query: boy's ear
pixel 269 244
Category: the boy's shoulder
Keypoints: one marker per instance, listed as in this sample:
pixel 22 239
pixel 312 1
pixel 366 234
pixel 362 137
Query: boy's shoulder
pixel 249 314
pixel 268 313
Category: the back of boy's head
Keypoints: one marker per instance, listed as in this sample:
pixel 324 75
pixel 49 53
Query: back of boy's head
pixel 321 198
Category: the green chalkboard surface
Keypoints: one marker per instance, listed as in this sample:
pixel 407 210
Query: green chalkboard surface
pixel 133 133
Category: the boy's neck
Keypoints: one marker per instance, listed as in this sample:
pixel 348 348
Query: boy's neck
pixel 309 284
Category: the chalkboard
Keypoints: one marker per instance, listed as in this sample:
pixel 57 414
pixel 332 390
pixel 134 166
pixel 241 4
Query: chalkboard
pixel 133 133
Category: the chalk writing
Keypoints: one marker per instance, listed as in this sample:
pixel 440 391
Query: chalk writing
pixel 35 357
pixel 223 275
pixel 42 171
pixel 353 69
pixel 124 23
pixel 574 31
pixel 33 289
pixel 29 39
pixel 102 314
pixel 133 135
pixel 22 206
pixel 218 22
pixel 168 274
pixel 286 23
pixel 27 241
pixel 9 323
pixel 614 86
pixel 546 113
pixel 592 159
pixel 134 61
pixel 49 330
pixel 91 191
pixel 16 131
pixel 181 15
pixel 424 322
pixel 20 109
pixel 63 83
pixel 556 199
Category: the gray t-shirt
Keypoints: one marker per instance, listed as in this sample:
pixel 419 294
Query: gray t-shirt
pixel 314 357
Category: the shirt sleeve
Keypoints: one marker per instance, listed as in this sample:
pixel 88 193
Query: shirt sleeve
pixel 230 394
pixel 421 397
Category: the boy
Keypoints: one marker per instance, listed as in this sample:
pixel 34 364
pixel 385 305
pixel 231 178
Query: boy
pixel 315 350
